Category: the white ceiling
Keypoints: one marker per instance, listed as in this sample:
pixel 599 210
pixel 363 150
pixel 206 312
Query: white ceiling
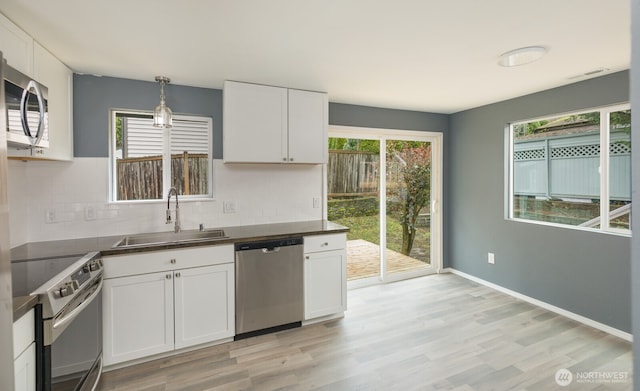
pixel 428 55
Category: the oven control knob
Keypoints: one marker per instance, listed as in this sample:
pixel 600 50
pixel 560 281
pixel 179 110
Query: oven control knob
pixel 93 266
pixel 67 289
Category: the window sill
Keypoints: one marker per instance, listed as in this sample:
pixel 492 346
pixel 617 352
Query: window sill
pixel 626 234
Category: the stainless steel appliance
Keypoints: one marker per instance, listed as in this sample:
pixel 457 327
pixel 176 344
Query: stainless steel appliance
pixel 26 103
pixel 68 319
pixel 6 298
pixel 269 286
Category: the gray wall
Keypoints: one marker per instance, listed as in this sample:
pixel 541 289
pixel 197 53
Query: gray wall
pixel 374 117
pixel 94 97
pixel 583 272
pixel 635 161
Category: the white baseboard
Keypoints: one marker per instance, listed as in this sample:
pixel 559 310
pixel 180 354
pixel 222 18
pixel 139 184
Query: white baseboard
pixel 571 315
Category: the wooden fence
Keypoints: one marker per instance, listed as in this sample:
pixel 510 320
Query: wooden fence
pixel 141 178
pixel 352 173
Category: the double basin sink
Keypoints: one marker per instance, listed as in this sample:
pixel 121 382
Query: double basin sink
pixel 160 238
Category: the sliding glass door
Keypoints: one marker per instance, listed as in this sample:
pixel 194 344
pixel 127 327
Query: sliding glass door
pixel 385 186
pixel 408 206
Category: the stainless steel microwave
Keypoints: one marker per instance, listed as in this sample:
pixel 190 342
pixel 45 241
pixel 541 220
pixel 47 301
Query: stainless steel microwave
pixel 27 110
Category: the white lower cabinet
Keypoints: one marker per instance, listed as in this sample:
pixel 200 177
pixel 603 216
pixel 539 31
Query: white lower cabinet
pixel 138 316
pixel 325 275
pixel 25 370
pixel 24 353
pixel 204 304
pixel 152 313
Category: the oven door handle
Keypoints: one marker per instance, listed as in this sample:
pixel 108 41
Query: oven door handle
pixel 71 315
pixel 94 387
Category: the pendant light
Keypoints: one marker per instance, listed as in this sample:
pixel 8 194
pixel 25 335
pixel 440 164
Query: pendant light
pixel 162 116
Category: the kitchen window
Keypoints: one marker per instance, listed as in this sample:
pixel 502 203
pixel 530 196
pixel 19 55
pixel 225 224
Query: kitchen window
pixel 147 161
pixel 561 174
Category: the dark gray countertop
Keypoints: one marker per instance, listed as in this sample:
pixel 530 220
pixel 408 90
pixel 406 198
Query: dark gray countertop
pixel 22 305
pixel 82 246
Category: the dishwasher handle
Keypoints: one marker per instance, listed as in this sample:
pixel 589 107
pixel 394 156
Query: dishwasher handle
pixel 270 250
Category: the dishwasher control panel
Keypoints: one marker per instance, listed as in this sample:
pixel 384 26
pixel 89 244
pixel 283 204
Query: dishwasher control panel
pixel 269 244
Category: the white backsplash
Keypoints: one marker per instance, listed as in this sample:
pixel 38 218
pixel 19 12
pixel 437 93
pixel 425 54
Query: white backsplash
pixel 66 200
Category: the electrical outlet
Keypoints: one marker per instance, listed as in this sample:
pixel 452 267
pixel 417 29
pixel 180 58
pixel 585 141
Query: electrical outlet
pixel 491 258
pixel 316 202
pixel 229 207
pixel 49 216
pixel 89 213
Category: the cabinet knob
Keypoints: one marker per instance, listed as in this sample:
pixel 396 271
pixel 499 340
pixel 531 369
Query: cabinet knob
pixel 284 159
pixel 173 261
pixel 168 276
pixel 307 257
pixel 177 274
pixel 326 244
pixel 290 159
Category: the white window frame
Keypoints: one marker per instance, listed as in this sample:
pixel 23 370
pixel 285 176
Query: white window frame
pixel 604 170
pixel 166 158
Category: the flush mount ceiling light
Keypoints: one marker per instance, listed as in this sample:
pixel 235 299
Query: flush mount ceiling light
pixel 162 116
pixel 521 56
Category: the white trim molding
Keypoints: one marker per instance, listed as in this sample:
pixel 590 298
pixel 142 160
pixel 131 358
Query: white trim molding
pixel 568 314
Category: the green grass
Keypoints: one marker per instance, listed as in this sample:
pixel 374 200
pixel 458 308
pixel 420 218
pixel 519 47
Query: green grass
pixel 368 228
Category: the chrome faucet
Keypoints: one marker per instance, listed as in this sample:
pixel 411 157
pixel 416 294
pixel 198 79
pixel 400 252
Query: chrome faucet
pixel 177 223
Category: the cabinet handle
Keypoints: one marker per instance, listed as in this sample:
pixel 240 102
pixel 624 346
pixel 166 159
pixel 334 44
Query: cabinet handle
pixel 168 276
pixel 307 257
pixel 326 244
pixel 290 159
pixel 177 274
pixel 173 261
pixel 284 159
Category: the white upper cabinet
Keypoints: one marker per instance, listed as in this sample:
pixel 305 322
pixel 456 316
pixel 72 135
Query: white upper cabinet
pixel 255 123
pixel 265 124
pixel 308 123
pixel 16 46
pixel 49 71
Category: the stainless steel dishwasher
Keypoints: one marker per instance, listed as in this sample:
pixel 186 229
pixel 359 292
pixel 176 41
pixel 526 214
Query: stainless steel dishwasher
pixel 269 286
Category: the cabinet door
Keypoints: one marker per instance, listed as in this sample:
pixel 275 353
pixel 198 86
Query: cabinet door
pixel 137 316
pixel 255 123
pixel 25 369
pixel 204 304
pixel 51 72
pixel 16 46
pixel 308 123
pixel 325 283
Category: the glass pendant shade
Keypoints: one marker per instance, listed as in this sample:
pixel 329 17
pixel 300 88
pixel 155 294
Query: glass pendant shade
pixel 162 115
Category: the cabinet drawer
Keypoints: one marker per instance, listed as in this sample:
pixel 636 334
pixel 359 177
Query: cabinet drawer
pixel 23 333
pixel 329 242
pixel 157 261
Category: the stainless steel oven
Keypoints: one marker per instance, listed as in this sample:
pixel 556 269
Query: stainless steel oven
pixel 27 105
pixel 68 319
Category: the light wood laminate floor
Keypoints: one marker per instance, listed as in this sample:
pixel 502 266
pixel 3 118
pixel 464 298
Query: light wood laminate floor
pixel 438 332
